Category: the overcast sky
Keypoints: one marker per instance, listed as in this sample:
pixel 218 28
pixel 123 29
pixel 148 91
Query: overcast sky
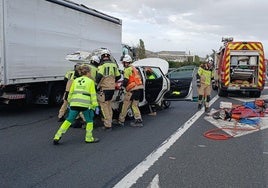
pixel 195 26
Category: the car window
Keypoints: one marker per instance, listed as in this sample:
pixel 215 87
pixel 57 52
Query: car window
pixel 152 72
pixel 156 72
pixel 182 72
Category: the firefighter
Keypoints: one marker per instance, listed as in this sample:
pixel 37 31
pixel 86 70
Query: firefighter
pixel 204 79
pixel 94 63
pixel 69 77
pixel 108 74
pixel 82 98
pixel 134 88
pixel 149 73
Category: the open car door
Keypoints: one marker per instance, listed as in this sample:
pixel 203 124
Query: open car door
pixel 153 71
pixel 181 87
pixel 156 86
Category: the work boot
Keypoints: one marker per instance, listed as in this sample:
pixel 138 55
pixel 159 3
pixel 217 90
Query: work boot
pixel 107 129
pixel 152 114
pixel 95 140
pixel 63 128
pixel 56 141
pixel 137 123
pixel 121 124
pixel 207 109
pixel 199 106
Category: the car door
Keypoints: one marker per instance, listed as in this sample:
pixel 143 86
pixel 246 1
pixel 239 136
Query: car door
pixel 181 87
pixel 156 86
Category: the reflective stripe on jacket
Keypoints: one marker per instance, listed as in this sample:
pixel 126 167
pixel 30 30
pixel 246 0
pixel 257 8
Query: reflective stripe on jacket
pixel 69 75
pixel 82 93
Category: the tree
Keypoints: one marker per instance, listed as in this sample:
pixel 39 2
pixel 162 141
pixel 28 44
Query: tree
pixel 141 50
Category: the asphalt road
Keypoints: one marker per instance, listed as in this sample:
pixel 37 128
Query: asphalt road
pixel 196 161
pixel 29 159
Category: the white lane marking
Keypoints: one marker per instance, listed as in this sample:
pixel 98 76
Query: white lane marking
pixel 132 177
pixel 155 182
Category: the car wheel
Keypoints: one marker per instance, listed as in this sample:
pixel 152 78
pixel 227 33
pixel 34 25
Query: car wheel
pixel 166 104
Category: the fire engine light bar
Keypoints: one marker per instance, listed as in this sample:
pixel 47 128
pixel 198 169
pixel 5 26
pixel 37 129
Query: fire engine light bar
pixel 227 39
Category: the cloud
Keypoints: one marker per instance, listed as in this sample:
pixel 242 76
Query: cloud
pixel 197 26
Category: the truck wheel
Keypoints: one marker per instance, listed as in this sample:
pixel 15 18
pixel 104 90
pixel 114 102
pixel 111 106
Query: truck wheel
pixel 56 96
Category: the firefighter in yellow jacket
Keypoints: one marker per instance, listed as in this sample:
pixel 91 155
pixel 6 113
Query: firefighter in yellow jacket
pixel 94 63
pixel 108 74
pixel 134 88
pixel 82 98
pixel 204 78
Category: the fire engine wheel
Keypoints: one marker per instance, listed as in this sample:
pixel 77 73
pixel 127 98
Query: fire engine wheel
pixel 222 93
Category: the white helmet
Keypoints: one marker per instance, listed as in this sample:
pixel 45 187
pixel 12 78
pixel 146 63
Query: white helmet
pixel 127 59
pixel 210 60
pixel 95 58
pixel 105 55
pixel 105 52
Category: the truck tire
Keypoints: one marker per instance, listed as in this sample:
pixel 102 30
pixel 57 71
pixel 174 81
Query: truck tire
pixel 56 96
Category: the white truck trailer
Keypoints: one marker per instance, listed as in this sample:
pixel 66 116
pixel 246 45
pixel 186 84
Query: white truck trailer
pixel 36 35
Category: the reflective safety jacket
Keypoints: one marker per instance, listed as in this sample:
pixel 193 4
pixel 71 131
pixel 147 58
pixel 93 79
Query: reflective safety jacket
pixel 107 75
pixel 204 76
pixel 69 75
pixel 133 78
pixel 151 77
pixel 83 93
pixel 93 72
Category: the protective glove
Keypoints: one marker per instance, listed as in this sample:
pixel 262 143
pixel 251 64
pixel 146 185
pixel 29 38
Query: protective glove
pixel 97 110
